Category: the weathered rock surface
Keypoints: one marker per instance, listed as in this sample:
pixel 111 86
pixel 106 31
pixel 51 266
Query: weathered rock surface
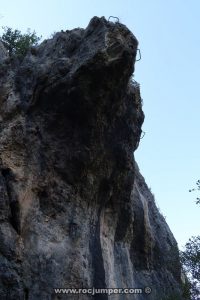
pixel 3 52
pixel 75 211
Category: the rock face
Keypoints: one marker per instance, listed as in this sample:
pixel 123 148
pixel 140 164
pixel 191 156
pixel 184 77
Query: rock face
pixel 3 52
pixel 75 211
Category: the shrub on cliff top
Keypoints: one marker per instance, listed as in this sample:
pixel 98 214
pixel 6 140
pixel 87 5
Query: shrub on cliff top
pixel 16 43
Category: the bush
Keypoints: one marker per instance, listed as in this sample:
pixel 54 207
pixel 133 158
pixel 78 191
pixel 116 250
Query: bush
pixel 18 44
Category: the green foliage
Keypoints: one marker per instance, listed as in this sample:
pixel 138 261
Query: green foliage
pixel 196 189
pixel 187 289
pixel 190 259
pixel 17 43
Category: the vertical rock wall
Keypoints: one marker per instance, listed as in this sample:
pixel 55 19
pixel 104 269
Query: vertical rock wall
pixel 75 211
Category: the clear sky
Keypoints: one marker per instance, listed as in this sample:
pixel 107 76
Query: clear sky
pixel 168 32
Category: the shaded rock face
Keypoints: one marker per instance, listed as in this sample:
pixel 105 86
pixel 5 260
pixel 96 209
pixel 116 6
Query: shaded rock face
pixel 75 211
pixel 3 52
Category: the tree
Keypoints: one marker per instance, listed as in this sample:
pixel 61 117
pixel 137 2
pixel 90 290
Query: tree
pixel 190 259
pixel 17 43
pixel 196 189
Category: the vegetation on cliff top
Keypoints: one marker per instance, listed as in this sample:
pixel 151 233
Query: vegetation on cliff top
pixel 16 43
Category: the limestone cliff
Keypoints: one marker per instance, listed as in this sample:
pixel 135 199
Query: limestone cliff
pixel 75 211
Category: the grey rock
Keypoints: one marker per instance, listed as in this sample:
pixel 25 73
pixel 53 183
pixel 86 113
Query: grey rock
pixel 3 52
pixel 75 211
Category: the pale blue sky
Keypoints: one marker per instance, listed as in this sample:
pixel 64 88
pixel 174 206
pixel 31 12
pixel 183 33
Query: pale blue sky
pixel 169 36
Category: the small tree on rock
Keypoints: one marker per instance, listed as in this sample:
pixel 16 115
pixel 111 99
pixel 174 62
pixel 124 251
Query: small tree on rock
pixel 18 44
